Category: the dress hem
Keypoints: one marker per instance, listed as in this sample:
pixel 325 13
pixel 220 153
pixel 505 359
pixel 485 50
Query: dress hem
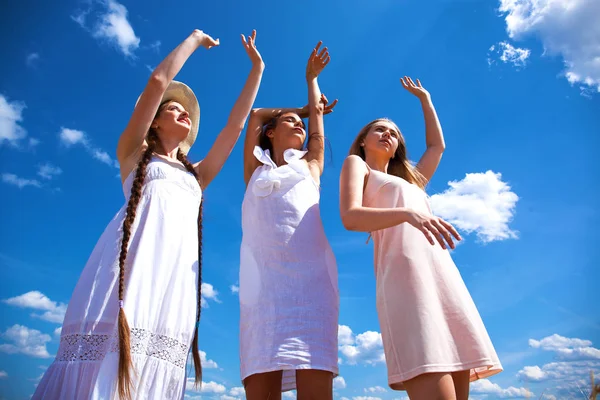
pixel 333 370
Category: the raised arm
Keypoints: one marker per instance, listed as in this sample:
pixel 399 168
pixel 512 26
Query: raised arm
pixel 356 217
pixel 316 109
pixel 221 149
pixel 434 137
pixel 133 137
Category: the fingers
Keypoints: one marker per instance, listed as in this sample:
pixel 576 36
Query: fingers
pixel 450 228
pixel 404 84
pixel 254 35
pixel 324 99
pixel 330 107
pixel 428 236
pixel 316 50
pixel 444 232
pixel 419 83
pixel 244 40
pixel 436 233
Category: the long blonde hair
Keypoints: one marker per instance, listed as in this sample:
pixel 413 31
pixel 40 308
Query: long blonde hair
pixel 399 164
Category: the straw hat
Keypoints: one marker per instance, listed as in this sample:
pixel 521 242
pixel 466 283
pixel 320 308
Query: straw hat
pixel 181 93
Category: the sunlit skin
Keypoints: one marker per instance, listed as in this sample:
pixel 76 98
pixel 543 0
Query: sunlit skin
pixel 289 133
pixel 172 124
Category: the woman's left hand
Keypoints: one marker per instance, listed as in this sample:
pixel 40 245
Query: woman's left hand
pixel 250 46
pixel 317 62
pixel 418 89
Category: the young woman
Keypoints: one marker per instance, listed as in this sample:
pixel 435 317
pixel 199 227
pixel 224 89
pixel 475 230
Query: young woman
pixel 288 276
pixel 433 337
pixel 135 310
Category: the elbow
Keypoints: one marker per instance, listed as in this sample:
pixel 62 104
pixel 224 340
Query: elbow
pixel 348 221
pixel 158 81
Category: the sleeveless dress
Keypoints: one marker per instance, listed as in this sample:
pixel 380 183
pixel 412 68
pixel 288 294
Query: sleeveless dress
pixel 289 300
pixel 161 284
pixel 428 320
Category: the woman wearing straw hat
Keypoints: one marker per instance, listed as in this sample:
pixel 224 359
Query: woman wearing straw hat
pixel 134 312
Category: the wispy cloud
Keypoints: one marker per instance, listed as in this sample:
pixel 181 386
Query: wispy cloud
pixel 23 340
pixel 3 374
pixel 206 387
pixel 49 171
pixel 111 25
pixel 52 311
pixel 71 137
pixel 209 293
pixel 32 59
pixel 508 54
pixel 19 182
pixel 480 203
pixel 234 289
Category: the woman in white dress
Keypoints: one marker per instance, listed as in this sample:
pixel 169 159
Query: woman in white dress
pixel 135 310
pixel 289 297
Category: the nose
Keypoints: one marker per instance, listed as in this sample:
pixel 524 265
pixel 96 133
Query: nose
pixel 387 133
pixel 184 114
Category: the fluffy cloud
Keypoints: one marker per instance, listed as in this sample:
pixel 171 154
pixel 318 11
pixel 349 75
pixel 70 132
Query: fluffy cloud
pixel 485 386
pixel 567 348
pixel 366 347
pixel 111 26
pixel 206 387
pixel 53 312
pixel 26 341
pixel 209 293
pixel 11 117
pixel 561 371
pixel 481 203
pixel 509 54
pixel 71 137
pixel 366 398
pixel 234 289
pixel 339 383
pixel 566 28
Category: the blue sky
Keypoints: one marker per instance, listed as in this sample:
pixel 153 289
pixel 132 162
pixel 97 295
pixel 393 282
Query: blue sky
pixel 517 92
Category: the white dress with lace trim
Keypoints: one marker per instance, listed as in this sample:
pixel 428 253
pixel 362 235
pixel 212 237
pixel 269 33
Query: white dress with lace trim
pixel 160 297
pixel 289 298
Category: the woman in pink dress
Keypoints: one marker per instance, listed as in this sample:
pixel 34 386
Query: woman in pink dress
pixel 434 340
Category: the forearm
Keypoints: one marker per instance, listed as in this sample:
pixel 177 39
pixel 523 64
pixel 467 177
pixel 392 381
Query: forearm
pixel 433 129
pixel 243 105
pixel 166 71
pixel 368 219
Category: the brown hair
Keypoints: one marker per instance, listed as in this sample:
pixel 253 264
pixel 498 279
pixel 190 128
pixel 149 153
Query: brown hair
pixel 125 364
pixel 399 165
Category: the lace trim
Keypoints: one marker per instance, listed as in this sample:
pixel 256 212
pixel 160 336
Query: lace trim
pixel 94 347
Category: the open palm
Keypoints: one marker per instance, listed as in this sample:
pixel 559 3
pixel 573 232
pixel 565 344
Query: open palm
pixel 317 61
pixel 416 89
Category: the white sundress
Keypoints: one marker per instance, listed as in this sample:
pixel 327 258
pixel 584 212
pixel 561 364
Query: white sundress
pixel 289 299
pixel 161 286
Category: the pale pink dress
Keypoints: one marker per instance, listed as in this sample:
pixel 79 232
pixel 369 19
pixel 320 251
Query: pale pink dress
pixel 428 320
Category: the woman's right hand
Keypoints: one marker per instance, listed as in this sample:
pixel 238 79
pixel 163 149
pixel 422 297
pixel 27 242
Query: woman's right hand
pixel 328 107
pixel 205 40
pixel 432 226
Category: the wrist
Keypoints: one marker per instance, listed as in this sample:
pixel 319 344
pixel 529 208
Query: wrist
pixel 425 98
pixel 258 66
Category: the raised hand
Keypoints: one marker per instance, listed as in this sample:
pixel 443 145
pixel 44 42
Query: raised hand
pixel 418 89
pixel 434 227
pixel 205 40
pixel 250 46
pixel 327 110
pixel 317 62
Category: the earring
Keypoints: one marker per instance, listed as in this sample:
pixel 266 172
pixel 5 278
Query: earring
pixel 362 144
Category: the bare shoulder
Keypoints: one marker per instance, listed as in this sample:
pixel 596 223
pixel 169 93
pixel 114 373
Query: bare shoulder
pixel 355 163
pixel 127 165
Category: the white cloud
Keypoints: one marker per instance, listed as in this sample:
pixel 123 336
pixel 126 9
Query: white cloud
pixel 562 371
pixel 32 59
pixel 509 54
pixel 111 25
pixel 228 397
pixel 234 289
pixel 58 331
pixel 485 386
pixel 339 383
pixel 549 397
pixel 206 387
pixel 567 28
pixel 366 398
pixel 11 116
pixel 3 374
pixel 70 137
pixel 481 203
pixel 289 395
pixel 49 171
pixel 366 347
pixel 26 341
pixel 375 389
pixel 53 312
pixel 209 293
pixel 567 348
pixel 15 180
pixel 237 391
